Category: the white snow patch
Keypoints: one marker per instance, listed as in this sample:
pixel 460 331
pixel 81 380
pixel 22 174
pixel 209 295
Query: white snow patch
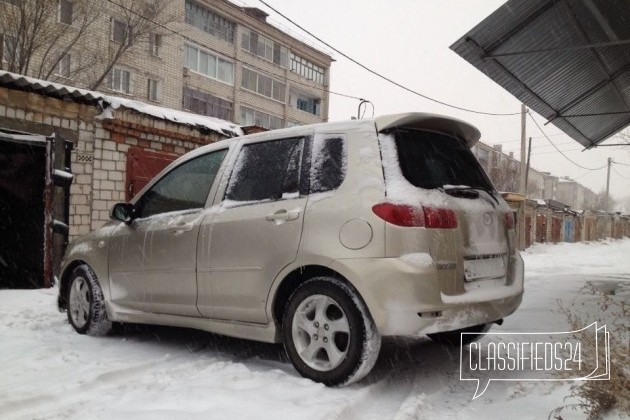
pixel 399 190
pixel 418 259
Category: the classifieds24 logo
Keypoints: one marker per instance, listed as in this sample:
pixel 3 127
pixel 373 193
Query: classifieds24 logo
pixel 581 355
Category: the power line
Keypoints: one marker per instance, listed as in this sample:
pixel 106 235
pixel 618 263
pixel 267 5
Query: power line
pixel 534 146
pixel 618 173
pixel 553 151
pixel 533 137
pixel 363 66
pixel 187 38
pixel 619 163
pixel 560 151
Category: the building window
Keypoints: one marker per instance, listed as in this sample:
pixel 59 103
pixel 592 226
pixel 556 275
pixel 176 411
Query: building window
pixel 309 105
pixel 252 117
pixel 120 31
pixel 263 85
pixel 63 68
pixel 65 11
pixel 155 44
pixel 120 80
pixel 10 48
pixel 205 104
pixel 153 90
pixel 307 69
pixel 210 22
pixel 208 64
pixel 264 48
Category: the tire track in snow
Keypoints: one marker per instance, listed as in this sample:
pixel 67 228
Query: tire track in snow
pixel 71 395
pixel 393 377
pixel 381 400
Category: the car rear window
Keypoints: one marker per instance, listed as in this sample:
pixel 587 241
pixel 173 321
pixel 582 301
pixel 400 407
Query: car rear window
pixel 432 160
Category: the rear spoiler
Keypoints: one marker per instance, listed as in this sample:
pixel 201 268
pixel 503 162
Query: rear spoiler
pixel 431 122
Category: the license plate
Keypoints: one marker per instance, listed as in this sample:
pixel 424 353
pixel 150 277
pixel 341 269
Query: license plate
pixel 484 268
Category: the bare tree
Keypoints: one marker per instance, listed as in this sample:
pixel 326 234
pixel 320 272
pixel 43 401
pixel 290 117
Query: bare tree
pixel 136 21
pixel 624 136
pixel 36 37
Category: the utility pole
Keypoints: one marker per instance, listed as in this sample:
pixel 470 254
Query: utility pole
pixel 523 187
pixel 529 155
pixel 523 183
pixel 608 186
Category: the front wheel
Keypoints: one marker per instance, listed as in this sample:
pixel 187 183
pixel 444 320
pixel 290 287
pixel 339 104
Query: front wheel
pixel 328 333
pixel 86 304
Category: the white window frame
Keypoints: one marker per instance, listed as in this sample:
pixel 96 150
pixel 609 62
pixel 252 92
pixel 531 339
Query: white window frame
pixel 16 48
pixel 154 90
pixel 267 43
pixel 218 61
pixel 155 44
pixel 112 31
pixel 273 82
pixel 268 117
pixel 60 71
pixel 71 12
pixel 121 86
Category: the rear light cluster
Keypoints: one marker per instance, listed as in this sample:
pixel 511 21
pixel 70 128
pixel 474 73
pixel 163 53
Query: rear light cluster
pixel 410 216
pixel 509 220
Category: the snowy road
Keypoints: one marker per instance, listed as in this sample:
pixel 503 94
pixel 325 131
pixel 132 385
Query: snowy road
pixel 47 371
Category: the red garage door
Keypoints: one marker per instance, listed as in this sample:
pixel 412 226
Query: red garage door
pixel 142 166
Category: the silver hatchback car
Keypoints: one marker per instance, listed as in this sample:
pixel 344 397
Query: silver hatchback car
pixel 323 237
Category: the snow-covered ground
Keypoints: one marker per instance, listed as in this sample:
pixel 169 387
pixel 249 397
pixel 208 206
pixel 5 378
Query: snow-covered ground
pixel 47 371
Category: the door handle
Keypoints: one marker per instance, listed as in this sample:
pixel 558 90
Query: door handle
pixel 181 228
pixel 283 216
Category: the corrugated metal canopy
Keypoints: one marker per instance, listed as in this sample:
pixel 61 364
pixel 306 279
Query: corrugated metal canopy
pixel 568 60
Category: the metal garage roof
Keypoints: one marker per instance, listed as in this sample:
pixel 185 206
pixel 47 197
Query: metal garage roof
pixel 568 60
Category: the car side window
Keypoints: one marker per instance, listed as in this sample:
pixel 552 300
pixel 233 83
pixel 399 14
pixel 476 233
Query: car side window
pixel 328 164
pixel 266 171
pixel 184 188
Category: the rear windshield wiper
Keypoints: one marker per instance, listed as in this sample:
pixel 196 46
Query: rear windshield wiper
pixel 462 191
pixel 465 191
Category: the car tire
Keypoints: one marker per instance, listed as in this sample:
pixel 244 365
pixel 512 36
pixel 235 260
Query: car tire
pixel 86 304
pixel 328 333
pixel 455 339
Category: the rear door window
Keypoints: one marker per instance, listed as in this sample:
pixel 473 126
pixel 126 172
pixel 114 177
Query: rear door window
pixel 432 160
pixel 266 171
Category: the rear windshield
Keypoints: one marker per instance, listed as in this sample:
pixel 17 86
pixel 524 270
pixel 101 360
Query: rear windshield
pixel 431 160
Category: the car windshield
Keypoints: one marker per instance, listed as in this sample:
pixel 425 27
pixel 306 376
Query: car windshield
pixel 431 160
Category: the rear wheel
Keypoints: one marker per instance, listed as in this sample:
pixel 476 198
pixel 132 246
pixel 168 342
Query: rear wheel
pixel 455 338
pixel 328 334
pixel 86 304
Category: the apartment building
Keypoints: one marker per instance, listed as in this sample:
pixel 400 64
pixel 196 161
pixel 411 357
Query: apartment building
pixel 575 195
pixel 210 57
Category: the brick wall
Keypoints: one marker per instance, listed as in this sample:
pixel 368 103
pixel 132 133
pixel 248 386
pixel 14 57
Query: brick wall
pixel 99 156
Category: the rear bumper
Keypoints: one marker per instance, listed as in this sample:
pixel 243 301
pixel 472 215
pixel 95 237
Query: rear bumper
pixel 405 298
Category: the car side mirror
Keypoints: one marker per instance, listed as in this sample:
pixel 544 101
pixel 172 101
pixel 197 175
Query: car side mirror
pixel 125 212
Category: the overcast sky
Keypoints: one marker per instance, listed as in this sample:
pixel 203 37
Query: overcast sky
pixel 408 41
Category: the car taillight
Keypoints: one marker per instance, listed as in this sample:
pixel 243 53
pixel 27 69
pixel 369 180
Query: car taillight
pixel 410 216
pixel 509 220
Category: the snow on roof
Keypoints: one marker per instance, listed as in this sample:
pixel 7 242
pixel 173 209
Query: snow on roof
pixel 110 103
